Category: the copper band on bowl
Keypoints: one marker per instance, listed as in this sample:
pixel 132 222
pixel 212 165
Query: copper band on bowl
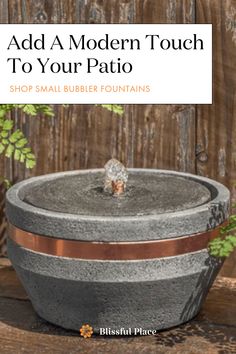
pixel 112 250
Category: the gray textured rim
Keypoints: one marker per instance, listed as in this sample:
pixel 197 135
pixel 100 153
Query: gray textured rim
pixel 123 228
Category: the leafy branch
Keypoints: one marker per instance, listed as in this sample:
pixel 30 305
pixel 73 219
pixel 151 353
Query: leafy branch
pixel 14 143
pixel 30 109
pixel 118 109
pixel 224 244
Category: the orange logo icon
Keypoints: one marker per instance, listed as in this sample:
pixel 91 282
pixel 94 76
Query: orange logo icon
pixel 86 331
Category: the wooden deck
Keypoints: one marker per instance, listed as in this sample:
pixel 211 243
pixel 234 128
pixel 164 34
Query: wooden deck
pixel 23 332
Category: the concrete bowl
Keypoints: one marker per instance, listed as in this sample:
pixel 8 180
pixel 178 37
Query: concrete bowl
pixel 140 263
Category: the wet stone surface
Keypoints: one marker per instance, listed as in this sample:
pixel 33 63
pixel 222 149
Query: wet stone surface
pixel 146 194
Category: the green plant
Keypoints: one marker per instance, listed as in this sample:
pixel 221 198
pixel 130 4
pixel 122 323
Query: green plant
pixel 118 109
pixel 224 244
pixel 14 144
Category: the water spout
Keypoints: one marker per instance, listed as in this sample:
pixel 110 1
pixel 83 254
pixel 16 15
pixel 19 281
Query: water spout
pixel 116 177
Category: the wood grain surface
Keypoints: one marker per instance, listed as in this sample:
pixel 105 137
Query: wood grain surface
pixel 197 139
pixel 216 123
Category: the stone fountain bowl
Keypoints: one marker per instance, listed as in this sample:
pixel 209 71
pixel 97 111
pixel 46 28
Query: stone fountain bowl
pixel 139 260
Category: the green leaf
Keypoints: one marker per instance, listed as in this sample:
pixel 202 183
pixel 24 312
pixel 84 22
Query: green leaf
pixel 231 225
pixel 22 142
pixel 30 109
pixel 231 239
pixel 223 245
pixel 16 142
pixel 228 247
pixel 30 163
pixel 22 158
pixel 5 142
pixel 30 156
pixel 2 148
pixel 17 155
pixel 214 253
pixel 118 109
pixel 34 109
pixel 10 150
pixel 15 136
pixel 26 150
pixel 7 183
pixel 8 124
pixel 4 134
pixel 2 113
pixel 222 253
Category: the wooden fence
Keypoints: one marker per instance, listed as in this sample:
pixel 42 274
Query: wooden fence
pixel 199 139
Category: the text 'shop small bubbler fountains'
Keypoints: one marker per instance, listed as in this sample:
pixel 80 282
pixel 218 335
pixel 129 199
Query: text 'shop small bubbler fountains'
pixel 91 250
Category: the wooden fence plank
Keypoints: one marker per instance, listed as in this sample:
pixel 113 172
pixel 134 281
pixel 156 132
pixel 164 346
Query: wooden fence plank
pixel 3 167
pixel 216 124
pixel 216 132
